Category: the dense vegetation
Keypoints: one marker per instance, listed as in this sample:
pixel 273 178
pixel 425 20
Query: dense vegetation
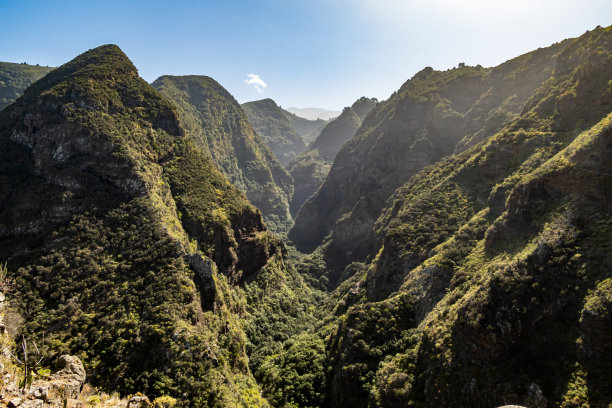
pixel 459 246
pixel 15 78
pixel 431 116
pixel 310 168
pixel 219 126
pixel 491 263
pixel 273 126
pixel 132 260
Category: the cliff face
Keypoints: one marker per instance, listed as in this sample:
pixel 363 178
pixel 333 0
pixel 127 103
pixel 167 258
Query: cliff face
pixel 272 125
pixel 15 78
pixel 219 126
pixel 433 115
pixel 310 168
pixel 490 285
pixel 124 237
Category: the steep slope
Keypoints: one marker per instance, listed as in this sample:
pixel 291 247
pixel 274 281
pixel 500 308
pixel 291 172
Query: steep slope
pixel 272 125
pixel 432 115
pixel 308 129
pixel 219 126
pixel 15 78
pixel 130 258
pixel 490 285
pixel 310 168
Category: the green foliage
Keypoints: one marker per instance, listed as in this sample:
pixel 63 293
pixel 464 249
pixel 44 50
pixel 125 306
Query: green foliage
pixel 15 78
pixel 105 277
pixel 308 129
pixel 500 248
pixel 219 126
pixel 310 168
pixel 164 401
pixel 272 125
pixel 280 307
pixel 461 281
pixel 295 376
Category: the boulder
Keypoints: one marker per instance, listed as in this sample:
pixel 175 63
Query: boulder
pixel 15 402
pixel 70 366
pixel 139 401
pixel 35 403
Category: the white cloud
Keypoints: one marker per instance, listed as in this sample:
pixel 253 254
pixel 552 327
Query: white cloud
pixel 256 81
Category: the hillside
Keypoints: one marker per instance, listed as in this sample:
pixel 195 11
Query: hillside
pixel 272 125
pixel 219 126
pixel 488 282
pixel 308 129
pixel 433 115
pixel 15 78
pixel 453 247
pixel 310 168
pixel 133 258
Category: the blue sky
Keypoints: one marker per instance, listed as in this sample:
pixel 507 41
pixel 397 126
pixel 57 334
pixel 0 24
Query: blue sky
pixel 309 53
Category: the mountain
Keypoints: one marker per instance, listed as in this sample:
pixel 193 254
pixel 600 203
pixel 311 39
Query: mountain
pixel 15 78
pixel 142 258
pixel 458 249
pixel 308 129
pixel 219 126
pixel 433 115
pixel 487 281
pixel 314 113
pixel 310 168
pixel 271 124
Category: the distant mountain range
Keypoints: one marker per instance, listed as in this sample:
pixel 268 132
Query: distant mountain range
pixel 314 113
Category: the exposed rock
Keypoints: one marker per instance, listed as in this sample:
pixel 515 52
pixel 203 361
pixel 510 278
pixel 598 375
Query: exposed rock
pixel 432 115
pixel 535 397
pixel 39 392
pixel 65 383
pixel 203 268
pixel 70 367
pixel 310 168
pixel 15 402
pixel 219 126
pixel 139 401
pixel 35 403
pixel 118 173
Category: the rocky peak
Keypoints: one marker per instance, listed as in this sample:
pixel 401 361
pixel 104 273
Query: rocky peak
pixel 363 106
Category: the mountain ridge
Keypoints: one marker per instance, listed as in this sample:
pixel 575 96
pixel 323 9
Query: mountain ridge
pixel 456 253
pixel 272 125
pixel 135 251
pixel 220 126
pixel 310 168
